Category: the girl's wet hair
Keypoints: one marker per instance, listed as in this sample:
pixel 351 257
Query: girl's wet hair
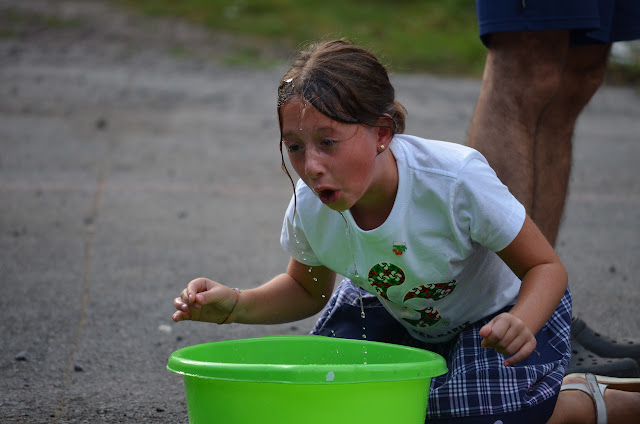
pixel 344 82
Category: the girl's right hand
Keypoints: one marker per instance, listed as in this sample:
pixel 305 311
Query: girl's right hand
pixel 507 334
pixel 205 300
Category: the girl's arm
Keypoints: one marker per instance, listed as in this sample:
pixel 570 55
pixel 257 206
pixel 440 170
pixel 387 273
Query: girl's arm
pixel 299 293
pixel 544 281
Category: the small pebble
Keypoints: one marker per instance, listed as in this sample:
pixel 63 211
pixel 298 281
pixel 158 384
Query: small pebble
pixel 101 123
pixel 21 356
pixel 78 368
pixel 164 328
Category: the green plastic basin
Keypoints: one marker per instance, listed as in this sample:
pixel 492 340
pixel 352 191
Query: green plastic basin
pixel 305 379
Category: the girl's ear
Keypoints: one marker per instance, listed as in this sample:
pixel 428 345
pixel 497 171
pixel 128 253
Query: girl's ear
pixel 384 132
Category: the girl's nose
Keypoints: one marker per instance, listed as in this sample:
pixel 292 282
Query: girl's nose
pixel 313 164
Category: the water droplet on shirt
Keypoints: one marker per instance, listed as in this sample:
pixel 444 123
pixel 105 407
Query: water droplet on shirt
pixel 348 234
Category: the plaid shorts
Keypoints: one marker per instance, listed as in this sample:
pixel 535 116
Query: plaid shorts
pixel 477 386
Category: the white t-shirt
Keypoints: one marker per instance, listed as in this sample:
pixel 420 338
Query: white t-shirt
pixel 432 262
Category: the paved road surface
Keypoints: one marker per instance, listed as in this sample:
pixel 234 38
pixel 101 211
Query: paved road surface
pixel 127 169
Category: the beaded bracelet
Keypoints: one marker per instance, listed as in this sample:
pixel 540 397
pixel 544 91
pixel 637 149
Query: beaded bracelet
pixel 238 291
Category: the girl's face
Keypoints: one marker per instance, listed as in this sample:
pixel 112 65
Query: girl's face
pixel 338 161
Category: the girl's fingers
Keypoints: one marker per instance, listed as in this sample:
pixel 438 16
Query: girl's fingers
pixel 526 350
pixel 517 344
pixel 507 336
pixel 494 332
pixel 198 294
pixel 184 295
pixel 179 304
pixel 197 286
pixel 194 287
pixel 180 316
pixel 513 340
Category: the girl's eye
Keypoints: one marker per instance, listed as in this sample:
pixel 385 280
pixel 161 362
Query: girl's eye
pixel 293 148
pixel 328 143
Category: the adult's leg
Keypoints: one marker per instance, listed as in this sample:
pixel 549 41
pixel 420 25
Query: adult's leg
pixel 522 74
pixel 582 76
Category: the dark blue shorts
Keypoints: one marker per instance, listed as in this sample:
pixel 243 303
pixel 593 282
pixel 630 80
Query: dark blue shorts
pixel 590 21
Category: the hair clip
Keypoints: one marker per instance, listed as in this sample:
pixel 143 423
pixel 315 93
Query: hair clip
pixel 284 91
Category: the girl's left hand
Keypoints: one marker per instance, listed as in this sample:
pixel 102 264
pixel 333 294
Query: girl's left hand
pixel 507 334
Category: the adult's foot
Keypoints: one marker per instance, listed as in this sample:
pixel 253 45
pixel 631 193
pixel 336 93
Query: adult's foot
pixel 602 345
pixel 584 360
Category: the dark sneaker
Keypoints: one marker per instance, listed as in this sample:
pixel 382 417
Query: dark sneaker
pixel 583 360
pixel 603 345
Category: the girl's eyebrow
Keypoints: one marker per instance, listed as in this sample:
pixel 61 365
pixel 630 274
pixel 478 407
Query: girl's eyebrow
pixel 296 134
pixel 290 135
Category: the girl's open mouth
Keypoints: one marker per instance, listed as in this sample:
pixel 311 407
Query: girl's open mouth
pixel 328 196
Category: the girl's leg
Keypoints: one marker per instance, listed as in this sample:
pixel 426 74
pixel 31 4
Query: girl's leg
pixel 531 387
pixel 535 415
pixel 578 407
pixel 479 385
pixel 342 317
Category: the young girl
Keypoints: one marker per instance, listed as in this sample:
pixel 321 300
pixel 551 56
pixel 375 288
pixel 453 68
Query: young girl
pixel 434 248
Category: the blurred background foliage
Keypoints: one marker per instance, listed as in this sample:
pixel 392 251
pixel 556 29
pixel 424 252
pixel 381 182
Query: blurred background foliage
pixel 435 36
pixel 410 36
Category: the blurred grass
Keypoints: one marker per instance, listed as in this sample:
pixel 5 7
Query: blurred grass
pixel 15 24
pixel 435 36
